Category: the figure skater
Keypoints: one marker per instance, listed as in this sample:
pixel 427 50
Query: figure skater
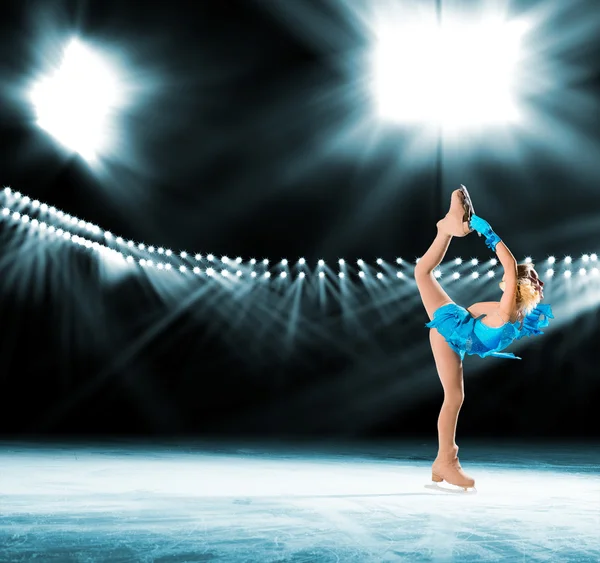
pixel 483 329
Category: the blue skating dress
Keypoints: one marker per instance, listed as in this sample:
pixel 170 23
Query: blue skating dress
pixel 468 335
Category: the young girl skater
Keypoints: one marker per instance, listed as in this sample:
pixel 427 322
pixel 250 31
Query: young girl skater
pixel 483 329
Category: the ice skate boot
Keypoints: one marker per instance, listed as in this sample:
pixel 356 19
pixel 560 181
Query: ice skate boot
pixel 446 467
pixel 457 220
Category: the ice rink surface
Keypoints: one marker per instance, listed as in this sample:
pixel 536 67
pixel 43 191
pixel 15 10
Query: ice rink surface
pixel 187 502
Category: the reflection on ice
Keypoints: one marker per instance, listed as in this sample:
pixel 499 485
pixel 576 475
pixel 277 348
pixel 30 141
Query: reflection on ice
pixel 200 502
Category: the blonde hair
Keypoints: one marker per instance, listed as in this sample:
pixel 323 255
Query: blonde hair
pixel 527 295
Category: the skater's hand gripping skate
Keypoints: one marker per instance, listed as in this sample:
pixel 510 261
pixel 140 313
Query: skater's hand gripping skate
pixel 483 228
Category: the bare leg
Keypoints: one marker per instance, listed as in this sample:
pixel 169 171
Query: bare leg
pixel 453 224
pixel 432 293
pixel 450 370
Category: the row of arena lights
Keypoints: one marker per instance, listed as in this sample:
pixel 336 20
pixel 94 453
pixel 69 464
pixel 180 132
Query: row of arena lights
pixel 210 271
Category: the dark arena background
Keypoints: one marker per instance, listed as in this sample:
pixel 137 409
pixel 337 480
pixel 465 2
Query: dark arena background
pixel 213 344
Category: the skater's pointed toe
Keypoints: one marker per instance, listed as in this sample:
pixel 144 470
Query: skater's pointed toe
pixel 457 221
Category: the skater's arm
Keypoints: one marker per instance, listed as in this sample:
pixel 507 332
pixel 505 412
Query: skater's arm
pixel 492 240
pixel 506 258
pixel 509 297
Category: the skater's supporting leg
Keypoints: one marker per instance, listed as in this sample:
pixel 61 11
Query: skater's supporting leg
pixel 432 293
pixel 450 371
pixel 449 365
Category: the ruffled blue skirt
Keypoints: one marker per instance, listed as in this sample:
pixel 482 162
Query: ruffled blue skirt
pixel 468 335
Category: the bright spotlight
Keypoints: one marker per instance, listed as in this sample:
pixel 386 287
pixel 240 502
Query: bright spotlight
pixel 224 273
pixel 209 272
pixel 239 273
pixel 321 262
pixel 549 272
pixel 585 258
pixel 567 274
pixel 379 275
pixel 341 262
pixel 398 260
pixel 474 261
pixel 183 254
pixel 321 274
pixel 284 262
pixel 401 275
pixel 361 274
pixel 210 257
pixel 182 268
pixel 475 275
pixel 238 260
pixel 265 261
pixel 283 274
pixel 414 62
pixel 75 103
pixel 490 274
pixel 196 270
pixel 341 274
pixel 267 274
pixel 594 271
pixel 458 261
pixel 437 273
pixel 301 275
pixel 551 260
pixel 582 271
pixel 253 261
pixel 593 257
pixel 360 262
pixel 224 259
pixel 568 259
pixel 302 261
pixel 198 257
pixel 253 274
pixel 528 260
pixel 379 261
pixel 455 275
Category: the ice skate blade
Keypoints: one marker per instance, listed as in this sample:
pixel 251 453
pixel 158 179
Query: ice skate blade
pixel 446 488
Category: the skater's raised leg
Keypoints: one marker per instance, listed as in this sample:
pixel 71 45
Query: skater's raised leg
pixel 454 224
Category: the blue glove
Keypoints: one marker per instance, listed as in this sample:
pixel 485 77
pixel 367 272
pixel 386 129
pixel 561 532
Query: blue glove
pixel 483 228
